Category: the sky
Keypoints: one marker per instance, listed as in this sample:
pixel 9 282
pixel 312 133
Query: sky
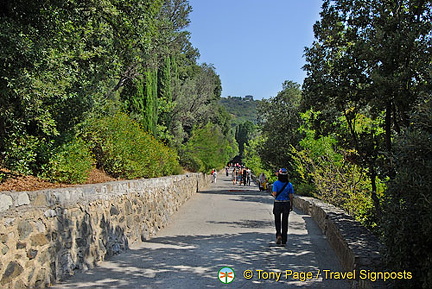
pixel 255 45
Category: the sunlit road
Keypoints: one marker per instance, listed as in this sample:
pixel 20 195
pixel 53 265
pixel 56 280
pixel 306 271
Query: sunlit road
pixel 227 225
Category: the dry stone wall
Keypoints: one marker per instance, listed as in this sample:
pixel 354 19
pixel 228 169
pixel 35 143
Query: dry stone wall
pixel 356 247
pixel 47 235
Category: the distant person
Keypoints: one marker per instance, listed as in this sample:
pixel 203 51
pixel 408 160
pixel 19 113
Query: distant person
pixel 234 176
pixel 214 175
pixel 248 176
pixel 283 191
pixel 262 182
pixel 244 176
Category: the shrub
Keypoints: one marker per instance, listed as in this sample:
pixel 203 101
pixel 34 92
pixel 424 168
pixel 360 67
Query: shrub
pixel 192 163
pixel 407 225
pixel 21 153
pixel 325 172
pixel 305 189
pixel 207 148
pixel 124 150
pixel 70 163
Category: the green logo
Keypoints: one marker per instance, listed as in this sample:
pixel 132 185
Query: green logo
pixel 226 275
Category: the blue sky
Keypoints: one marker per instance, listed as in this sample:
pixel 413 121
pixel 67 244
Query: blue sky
pixel 255 45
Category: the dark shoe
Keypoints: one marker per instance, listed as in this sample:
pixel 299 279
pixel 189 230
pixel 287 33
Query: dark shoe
pixel 278 240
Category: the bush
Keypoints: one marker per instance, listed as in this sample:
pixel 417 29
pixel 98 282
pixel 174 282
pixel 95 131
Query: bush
pixel 407 222
pixel 325 172
pixel 21 153
pixel 207 149
pixel 304 189
pixel 70 163
pixel 192 163
pixel 124 150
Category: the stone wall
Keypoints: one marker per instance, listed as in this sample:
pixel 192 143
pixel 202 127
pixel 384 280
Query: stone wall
pixel 47 235
pixel 356 247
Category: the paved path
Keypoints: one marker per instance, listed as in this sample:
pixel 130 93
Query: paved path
pixel 226 225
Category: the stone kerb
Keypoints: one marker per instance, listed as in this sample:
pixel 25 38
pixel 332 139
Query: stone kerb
pixel 47 235
pixel 356 247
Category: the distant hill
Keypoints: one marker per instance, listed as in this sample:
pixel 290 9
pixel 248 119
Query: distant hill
pixel 241 108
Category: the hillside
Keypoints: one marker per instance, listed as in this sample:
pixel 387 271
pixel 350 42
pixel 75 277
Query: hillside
pixel 241 108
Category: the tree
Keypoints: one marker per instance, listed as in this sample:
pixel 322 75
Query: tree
pixel 208 149
pixel 73 57
pixel 369 70
pixel 65 62
pixel 407 227
pixel 280 121
pixel 244 133
pixel 370 58
pixel 196 102
pixel 325 167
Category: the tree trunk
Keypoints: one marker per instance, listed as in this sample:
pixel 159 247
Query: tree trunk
pixel 388 125
pixel 377 205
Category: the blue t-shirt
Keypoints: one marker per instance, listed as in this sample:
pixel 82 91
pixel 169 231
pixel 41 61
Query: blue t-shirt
pixel 284 195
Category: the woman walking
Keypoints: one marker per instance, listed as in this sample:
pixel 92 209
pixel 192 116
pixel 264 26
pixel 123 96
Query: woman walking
pixel 283 192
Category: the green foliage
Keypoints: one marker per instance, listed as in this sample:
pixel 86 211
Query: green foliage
pixel 195 103
pixel 253 160
pixel 208 148
pixel 305 189
pixel 279 125
pixel 242 109
pixel 370 58
pixel 140 99
pixel 244 133
pixel 70 163
pixel 67 63
pixel 21 153
pixel 124 150
pixel 367 69
pixel 60 61
pixel 323 165
pixel 407 228
pixel 193 163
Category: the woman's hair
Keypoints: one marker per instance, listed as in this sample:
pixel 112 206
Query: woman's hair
pixel 283 178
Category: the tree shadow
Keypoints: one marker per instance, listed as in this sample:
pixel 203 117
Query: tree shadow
pixel 193 261
pixel 247 194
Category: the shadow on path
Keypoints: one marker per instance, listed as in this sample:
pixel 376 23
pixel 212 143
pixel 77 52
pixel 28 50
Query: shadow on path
pixel 225 226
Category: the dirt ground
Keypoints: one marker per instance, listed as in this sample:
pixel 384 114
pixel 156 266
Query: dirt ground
pixel 31 183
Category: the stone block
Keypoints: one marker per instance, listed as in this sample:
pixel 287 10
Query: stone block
pixel 21 245
pixel 40 200
pixel 39 240
pixel 13 270
pixel 50 213
pixel 4 250
pixel 24 229
pixel 31 254
pixel 40 226
pixel 3 238
pixel 22 199
pixel 354 245
pixel 5 202
pixel 114 211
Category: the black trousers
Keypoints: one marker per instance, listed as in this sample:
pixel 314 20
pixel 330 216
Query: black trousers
pixel 281 212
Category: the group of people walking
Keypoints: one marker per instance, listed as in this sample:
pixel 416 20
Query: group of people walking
pixel 241 175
